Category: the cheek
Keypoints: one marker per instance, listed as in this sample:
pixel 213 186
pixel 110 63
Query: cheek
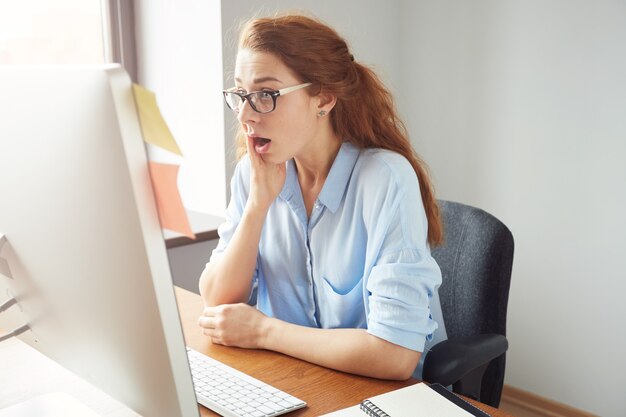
pixel 299 110
pixel 298 131
pixel 293 122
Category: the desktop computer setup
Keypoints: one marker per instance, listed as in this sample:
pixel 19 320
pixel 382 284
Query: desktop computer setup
pixel 84 274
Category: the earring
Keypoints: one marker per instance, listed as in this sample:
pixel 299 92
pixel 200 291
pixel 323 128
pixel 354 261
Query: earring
pixel 322 113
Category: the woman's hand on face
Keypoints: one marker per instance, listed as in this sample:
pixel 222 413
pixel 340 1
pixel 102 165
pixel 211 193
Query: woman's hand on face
pixel 238 325
pixel 266 179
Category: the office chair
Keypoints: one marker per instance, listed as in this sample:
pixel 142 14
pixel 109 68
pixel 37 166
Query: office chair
pixel 475 260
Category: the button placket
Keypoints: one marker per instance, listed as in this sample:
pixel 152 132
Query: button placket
pixel 316 213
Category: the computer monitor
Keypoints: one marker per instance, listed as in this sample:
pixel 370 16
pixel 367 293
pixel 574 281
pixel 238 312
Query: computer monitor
pixel 83 252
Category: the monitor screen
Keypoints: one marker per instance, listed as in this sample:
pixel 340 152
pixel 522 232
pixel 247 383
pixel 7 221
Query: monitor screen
pixel 81 248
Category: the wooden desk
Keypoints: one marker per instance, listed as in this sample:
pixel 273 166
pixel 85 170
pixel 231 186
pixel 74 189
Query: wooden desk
pixel 323 389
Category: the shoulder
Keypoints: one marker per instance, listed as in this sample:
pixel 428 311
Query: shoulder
pixel 386 168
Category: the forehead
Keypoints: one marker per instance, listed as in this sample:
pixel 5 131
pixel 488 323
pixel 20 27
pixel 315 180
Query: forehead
pixel 254 67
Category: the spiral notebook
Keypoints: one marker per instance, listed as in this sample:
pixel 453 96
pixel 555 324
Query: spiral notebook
pixel 419 400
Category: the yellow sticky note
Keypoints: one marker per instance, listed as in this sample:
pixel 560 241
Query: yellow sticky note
pixel 153 127
pixel 172 214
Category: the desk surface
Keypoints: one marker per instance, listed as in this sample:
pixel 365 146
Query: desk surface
pixel 323 389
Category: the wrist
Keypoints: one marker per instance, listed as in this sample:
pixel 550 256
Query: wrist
pixel 256 207
pixel 254 214
pixel 267 332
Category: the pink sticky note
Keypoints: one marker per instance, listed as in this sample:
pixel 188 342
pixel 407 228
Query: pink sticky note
pixel 172 214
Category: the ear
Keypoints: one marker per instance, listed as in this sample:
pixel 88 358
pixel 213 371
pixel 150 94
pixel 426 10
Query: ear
pixel 326 102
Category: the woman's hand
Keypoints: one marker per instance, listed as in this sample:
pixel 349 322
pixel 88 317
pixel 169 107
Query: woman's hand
pixel 266 179
pixel 234 325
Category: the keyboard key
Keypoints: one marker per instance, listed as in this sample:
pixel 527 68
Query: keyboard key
pixel 285 404
pixel 293 401
pixel 265 409
pixel 273 406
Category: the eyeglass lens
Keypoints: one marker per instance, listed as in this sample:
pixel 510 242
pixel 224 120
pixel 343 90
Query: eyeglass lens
pixel 260 101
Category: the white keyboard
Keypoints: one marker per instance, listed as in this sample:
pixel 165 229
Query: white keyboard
pixel 232 393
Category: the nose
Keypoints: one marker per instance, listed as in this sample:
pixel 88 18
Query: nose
pixel 246 114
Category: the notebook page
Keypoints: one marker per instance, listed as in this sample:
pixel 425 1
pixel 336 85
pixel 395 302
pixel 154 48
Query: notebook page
pixel 417 401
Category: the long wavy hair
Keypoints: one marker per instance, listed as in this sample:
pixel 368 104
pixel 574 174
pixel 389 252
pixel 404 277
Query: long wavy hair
pixel 365 113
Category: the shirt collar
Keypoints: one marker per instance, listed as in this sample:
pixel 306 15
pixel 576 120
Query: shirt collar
pixel 291 182
pixel 337 181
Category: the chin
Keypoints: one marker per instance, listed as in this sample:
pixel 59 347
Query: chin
pixel 273 159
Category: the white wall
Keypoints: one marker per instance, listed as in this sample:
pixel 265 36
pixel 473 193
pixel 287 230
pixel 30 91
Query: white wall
pixel 179 58
pixel 520 108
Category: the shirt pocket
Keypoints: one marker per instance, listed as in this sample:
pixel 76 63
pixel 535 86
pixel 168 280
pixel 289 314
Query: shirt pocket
pixel 341 306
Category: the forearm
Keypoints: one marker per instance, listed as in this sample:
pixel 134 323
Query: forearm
pixel 349 350
pixel 228 279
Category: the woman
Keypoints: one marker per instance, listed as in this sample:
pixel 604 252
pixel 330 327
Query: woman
pixel 331 214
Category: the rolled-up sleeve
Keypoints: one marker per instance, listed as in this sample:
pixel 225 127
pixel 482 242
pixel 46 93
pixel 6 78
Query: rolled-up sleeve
pixel 401 286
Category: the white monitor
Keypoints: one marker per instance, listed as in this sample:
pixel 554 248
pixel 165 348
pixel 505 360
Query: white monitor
pixel 83 252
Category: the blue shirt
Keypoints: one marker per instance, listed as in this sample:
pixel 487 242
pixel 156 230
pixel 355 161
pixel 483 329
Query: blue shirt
pixel 360 261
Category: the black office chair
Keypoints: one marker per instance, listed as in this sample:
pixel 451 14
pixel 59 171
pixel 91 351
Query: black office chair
pixel 475 260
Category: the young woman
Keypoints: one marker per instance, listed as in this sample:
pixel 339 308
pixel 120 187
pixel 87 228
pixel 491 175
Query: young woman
pixel 332 214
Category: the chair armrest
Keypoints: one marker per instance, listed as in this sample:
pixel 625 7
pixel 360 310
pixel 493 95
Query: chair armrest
pixel 449 361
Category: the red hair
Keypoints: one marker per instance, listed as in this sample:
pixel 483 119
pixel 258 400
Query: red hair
pixel 365 113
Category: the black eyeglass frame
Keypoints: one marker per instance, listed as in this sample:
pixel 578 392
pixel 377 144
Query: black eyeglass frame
pixel 272 93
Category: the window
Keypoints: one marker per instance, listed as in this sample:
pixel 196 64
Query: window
pixel 52 32
pixel 173 51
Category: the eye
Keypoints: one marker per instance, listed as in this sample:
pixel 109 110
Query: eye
pixel 264 95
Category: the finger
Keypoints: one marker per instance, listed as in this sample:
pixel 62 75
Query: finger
pixel 214 339
pixel 254 156
pixel 217 341
pixel 213 336
pixel 207 322
pixel 210 311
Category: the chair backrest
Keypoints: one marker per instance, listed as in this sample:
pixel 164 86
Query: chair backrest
pixel 476 259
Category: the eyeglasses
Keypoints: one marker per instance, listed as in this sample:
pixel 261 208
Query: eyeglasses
pixel 260 101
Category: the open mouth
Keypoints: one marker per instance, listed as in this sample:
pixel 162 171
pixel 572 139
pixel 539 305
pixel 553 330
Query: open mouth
pixel 262 145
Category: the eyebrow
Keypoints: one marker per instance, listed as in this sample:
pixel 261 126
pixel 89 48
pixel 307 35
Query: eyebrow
pixel 261 80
